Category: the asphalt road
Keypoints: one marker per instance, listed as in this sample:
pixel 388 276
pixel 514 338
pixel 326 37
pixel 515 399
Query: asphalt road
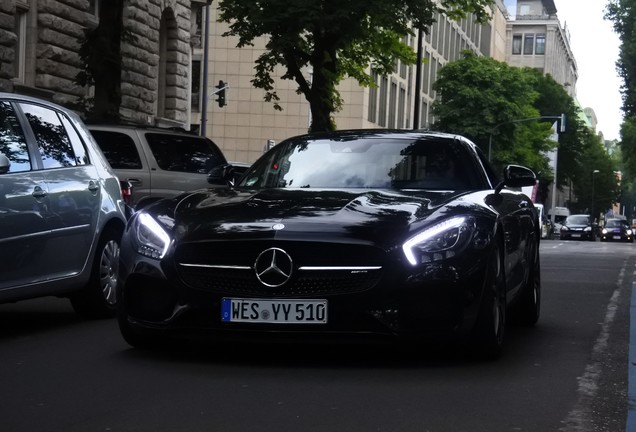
pixel 569 373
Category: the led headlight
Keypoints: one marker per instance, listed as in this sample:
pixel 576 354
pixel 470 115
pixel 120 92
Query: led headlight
pixel 440 241
pixel 629 232
pixel 152 239
pixel 604 231
pixel 587 229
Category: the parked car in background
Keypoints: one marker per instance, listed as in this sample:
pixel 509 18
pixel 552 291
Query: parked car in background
pixel 364 235
pixel 61 209
pixel 617 230
pixel 159 162
pixel 578 227
pixel 557 215
pixel 546 225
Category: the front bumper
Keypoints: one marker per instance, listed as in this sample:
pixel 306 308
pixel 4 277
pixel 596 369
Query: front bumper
pixel 439 302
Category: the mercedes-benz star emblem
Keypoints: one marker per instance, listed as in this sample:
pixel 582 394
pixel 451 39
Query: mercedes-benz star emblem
pixel 273 267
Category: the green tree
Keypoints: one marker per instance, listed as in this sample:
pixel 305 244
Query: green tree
pixel 335 39
pixel 594 191
pixel 489 101
pixel 622 13
pixel 553 101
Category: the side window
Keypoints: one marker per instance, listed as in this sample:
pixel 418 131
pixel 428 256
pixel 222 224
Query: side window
pixel 81 158
pixel 184 153
pixel 119 149
pixel 13 143
pixel 50 135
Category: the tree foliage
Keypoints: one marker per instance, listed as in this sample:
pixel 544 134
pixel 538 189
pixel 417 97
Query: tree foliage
pixel 510 110
pixel 623 15
pixel 492 103
pixel 321 42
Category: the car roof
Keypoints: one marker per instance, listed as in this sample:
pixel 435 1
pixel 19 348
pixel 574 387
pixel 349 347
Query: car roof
pixel 134 126
pixel 34 99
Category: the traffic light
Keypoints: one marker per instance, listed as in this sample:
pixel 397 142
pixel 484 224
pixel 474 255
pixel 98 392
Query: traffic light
pixel 221 94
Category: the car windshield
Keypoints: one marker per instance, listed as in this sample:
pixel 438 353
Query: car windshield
pixel 615 223
pixel 577 220
pixel 432 163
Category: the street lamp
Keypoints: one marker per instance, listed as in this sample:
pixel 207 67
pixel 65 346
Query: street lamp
pixel 492 131
pixel 593 172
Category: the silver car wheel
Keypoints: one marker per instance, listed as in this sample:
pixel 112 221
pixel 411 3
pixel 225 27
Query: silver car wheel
pixel 109 271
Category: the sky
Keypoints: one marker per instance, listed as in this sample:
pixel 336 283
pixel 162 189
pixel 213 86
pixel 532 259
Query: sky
pixel 595 46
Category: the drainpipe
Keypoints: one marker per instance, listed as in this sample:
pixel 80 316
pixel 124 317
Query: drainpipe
pixel 204 85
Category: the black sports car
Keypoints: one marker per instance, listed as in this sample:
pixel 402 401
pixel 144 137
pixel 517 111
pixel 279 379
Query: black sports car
pixel 354 235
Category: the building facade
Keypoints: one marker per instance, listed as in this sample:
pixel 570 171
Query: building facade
pixel 536 39
pixel 40 42
pixel 246 124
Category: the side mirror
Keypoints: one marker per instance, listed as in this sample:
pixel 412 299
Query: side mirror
pixel 222 175
pixel 516 176
pixel 5 164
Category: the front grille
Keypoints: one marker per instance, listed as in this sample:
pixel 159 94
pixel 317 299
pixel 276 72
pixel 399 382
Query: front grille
pixel 318 269
pixel 243 282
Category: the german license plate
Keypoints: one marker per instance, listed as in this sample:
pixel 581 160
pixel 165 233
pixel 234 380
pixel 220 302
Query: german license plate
pixel 617 237
pixel 576 235
pixel 276 311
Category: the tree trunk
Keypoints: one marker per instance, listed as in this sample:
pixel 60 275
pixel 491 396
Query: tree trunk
pixel 106 61
pixel 323 96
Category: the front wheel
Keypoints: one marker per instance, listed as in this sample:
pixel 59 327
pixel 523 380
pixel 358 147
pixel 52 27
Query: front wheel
pixel 528 307
pixel 490 328
pixel 98 298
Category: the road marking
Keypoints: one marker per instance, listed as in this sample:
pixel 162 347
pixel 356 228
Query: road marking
pixel 631 365
pixel 578 419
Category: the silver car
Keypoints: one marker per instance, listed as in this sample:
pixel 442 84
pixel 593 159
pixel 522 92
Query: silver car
pixel 61 209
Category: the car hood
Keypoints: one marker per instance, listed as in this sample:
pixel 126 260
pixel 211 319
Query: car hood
pixel 576 226
pixel 296 213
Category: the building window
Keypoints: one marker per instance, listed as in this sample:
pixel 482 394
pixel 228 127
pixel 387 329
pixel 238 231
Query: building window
pixel 195 94
pixel 528 44
pixel 19 60
pixel 384 89
pixel 516 44
pixel 392 104
pixel 401 107
pixel 373 98
pixel 524 9
pixel 540 44
pixel 93 7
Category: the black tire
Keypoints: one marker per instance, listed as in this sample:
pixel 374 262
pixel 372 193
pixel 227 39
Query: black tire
pixel 98 299
pixel 528 308
pixel 490 329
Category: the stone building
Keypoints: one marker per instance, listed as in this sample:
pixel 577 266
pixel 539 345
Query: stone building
pixel 40 41
pixel 536 38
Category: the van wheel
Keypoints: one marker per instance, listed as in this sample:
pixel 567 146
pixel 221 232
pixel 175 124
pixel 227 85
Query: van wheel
pixel 99 298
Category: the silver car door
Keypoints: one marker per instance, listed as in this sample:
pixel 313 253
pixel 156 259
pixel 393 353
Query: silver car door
pixel 74 190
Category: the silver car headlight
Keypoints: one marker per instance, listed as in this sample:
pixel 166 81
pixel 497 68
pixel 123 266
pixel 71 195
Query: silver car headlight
pixel 629 232
pixel 604 231
pixel 440 241
pixel 587 229
pixel 152 240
